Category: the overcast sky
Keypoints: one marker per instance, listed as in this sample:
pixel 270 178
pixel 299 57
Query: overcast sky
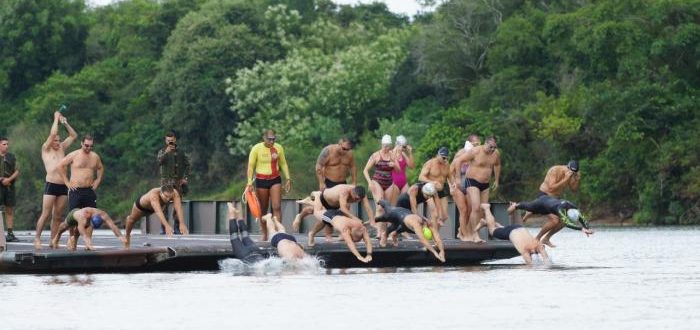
pixel 406 7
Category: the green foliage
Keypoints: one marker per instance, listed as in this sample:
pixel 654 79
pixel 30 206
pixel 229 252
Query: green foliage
pixel 611 83
pixel 36 38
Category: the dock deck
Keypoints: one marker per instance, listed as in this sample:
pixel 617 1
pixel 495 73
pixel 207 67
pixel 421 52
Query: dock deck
pixel 150 253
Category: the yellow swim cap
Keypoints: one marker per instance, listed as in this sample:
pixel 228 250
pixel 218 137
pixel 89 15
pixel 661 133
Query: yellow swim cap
pixel 427 233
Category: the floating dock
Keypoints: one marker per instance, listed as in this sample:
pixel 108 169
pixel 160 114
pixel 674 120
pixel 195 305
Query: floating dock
pixel 156 253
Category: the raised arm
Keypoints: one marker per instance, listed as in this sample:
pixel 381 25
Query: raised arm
pixel 72 134
pixel 409 157
pixel 53 132
pixel 574 181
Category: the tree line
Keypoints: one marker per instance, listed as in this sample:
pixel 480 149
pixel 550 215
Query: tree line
pixel 611 83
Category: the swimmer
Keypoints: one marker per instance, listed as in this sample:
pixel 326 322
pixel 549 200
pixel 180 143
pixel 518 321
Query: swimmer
pixel 337 198
pixel 563 210
pixel 516 234
pixel 245 248
pixel 350 228
pixel 403 153
pixel 402 220
pixel 155 201
pixel 380 183
pixel 484 162
pixel 459 195
pixel 333 165
pixel 437 171
pixel 85 220
pixel 242 246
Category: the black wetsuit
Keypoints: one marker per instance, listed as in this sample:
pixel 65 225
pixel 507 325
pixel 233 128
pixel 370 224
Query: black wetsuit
pixel 545 204
pixel 394 215
pixel 405 200
pixel 243 247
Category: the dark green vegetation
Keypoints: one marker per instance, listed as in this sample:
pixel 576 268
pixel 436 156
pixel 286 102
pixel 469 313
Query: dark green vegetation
pixel 612 83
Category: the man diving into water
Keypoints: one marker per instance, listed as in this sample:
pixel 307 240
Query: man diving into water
pixel 567 212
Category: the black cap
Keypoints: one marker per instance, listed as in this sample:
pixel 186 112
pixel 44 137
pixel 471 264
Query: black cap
pixel 443 152
pixel 573 165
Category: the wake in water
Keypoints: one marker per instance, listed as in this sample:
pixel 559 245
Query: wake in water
pixel 272 266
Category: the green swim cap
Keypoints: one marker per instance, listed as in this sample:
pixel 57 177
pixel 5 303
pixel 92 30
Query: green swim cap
pixel 427 233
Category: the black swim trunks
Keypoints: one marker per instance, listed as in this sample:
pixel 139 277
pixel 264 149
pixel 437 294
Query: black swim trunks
pixel 444 192
pixel 330 214
pixel 504 232
pixel 279 237
pixel 267 184
pixel 325 203
pixel 331 184
pixel 82 197
pixel 143 209
pixel 55 189
pixel 469 182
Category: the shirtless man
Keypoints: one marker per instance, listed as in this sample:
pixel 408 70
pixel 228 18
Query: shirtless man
pixel 84 220
pixel 83 183
pixel 459 170
pixel 437 171
pixel 155 201
pixel 562 210
pixel 557 179
pixel 516 234
pixel 484 161
pixel 402 220
pixel 333 165
pixel 337 198
pixel 55 191
pixel 349 226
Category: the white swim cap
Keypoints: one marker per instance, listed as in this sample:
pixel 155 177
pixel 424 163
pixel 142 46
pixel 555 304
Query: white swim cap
pixel 468 145
pixel 428 189
pixel 386 139
pixel 401 140
pixel 573 214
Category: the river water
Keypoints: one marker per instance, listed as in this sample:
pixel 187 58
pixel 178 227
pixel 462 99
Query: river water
pixel 620 278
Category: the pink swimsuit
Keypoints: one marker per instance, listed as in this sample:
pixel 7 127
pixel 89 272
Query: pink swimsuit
pixel 399 178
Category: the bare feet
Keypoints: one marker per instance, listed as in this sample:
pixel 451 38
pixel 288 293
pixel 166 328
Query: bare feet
pixel 308 201
pixel 394 239
pixel 485 206
pixel 382 240
pixel 548 243
pixel 511 207
pixel 312 241
pixel 296 224
pixel 37 244
pixel 54 243
pixel 267 217
pixel 72 243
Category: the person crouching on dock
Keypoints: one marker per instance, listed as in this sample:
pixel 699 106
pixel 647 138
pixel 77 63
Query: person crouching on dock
pixel 85 220
pixel 155 201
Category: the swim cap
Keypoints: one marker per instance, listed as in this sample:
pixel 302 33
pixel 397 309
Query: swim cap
pixel 443 152
pixel 386 139
pixel 573 165
pixel 401 140
pixel 468 145
pixel 573 214
pixel 427 233
pixel 428 189
pixel 96 221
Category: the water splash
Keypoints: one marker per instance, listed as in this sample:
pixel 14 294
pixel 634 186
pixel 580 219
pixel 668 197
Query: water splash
pixel 272 266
